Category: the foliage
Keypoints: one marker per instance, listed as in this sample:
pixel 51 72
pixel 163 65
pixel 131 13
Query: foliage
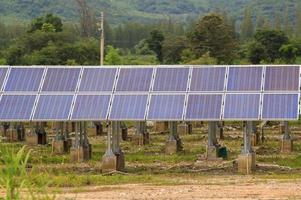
pixel 46 23
pixel 112 57
pixel 203 60
pixel 207 37
pixel 256 52
pixel 155 43
pixel 272 41
pixel 13 175
pixel 289 53
pixel 247 28
pixel 173 47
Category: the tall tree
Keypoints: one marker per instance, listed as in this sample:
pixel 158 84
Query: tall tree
pixel 298 20
pixel 207 37
pixel 272 41
pixel 87 18
pixel 277 22
pixel 288 29
pixel 47 21
pixel 155 43
pixel 260 21
pixel 247 29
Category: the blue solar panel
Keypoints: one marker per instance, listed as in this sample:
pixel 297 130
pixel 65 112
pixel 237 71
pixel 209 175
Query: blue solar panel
pixel 91 107
pixel 61 79
pixel 244 79
pixel 242 106
pixel 280 106
pixel 282 78
pixel 2 76
pixel 98 80
pixel 171 79
pixel 24 79
pixel 129 107
pixel 202 107
pixel 166 107
pixel 16 107
pixel 53 107
pixel 208 79
pixel 134 79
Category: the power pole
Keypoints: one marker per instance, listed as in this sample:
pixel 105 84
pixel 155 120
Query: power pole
pixel 102 38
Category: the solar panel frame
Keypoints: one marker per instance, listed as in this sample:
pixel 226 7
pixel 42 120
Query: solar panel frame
pixel 166 119
pixel 102 91
pixel 156 90
pixel 267 90
pixel 39 119
pixel 109 95
pixel 2 85
pixel 38 83
pixel 211 67
pixel 34 96
pixel 52 90
pixel 110 118
pixel 204 94
pixel 228 79
pixel 121 77
pixel 224 118
pixel 280 118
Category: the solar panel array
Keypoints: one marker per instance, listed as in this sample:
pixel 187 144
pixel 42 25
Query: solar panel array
pixel 158 93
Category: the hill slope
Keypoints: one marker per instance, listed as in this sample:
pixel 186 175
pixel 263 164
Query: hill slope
pixel 119 11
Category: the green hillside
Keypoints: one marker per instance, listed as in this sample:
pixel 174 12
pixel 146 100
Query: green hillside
pixel 120 11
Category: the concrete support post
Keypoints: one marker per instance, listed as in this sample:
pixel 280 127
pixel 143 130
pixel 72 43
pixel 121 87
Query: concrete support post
pixel 212 146
pixel 246 160
pixel 60 144
pixel 184 128
pixel 141 136
pixel 220 126
pixel 286 143
pixel 113 159
pixel 174 143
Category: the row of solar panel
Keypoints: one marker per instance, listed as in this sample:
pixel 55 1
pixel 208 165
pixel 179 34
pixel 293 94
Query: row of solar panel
pixel 156 79
pixel 159 107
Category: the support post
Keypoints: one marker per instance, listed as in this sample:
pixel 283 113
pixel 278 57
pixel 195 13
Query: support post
pixel 141 136
pixel 173 143
pixel 212 146
pixel 286 143
pixel 109 159
pixel 246 160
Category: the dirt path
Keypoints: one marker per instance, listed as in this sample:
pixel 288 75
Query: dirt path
pixel 267 189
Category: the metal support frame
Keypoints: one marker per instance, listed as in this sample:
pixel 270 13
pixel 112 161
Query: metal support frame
pixel 247 131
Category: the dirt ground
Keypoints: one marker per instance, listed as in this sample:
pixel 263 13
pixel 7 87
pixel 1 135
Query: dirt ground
pixel 217 188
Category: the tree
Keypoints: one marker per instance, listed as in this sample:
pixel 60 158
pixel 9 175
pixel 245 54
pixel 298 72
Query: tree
pixel 214 36
pixel 173 48
pixel 288 29
pixel 289 53
pixel 155 43
pixel 256 52
pixel 247 29
pixel 112 57
pixel 38 23
pixel 277 22
pixel 87 19
pixel 205 59
pixel 272 41
pixel 260 21
pixel 298 20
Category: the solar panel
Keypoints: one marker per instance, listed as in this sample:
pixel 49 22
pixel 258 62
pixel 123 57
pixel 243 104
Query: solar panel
pixel 242 106
pixel 61 79
pixel 284 78
pixel 2 76
pixel 53 107
pixel 24 79
pixel 166 107
pixel 16 107
pixel 129 107
pixel 208 79
pixel 98 80
pixel 171 79
pixel 91 107
pixel 280 106
pixel 204 107
pixel 244 79
pixel 134 79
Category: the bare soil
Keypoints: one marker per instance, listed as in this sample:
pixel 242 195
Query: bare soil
pixel 225 187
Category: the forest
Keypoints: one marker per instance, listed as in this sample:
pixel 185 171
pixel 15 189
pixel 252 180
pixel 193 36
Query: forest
pixel 215 37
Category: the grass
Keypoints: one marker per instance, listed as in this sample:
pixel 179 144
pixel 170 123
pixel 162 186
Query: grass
pixel 150 165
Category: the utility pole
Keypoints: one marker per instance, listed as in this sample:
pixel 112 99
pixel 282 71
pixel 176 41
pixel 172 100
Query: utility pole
pixel 102 38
